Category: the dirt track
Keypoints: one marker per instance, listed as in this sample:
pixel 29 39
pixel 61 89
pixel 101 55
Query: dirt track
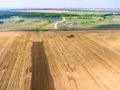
pixel 51 61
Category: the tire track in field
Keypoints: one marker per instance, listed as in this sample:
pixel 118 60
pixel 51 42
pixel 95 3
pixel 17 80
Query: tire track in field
pixel 5 48
pixel 54 56
pixel 86 57
pixel 61 63
pixel 8 64
pixel 77 58
pixel 68 66
pixel 25 81
pixel 14 82
pixel 105 54
pixel 102 67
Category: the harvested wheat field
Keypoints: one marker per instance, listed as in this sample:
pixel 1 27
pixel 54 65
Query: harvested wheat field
pixel 57 60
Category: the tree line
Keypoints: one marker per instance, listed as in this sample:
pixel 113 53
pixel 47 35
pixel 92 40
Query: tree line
pixel 7 14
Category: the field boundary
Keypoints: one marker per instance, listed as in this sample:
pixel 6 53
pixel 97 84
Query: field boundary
pixel 75 29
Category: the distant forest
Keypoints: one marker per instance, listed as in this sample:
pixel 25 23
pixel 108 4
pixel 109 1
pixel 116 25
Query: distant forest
pixel 7 14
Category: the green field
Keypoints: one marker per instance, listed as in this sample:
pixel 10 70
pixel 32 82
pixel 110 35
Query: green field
pixel 73 20
pixel 24 24
pixel 91 22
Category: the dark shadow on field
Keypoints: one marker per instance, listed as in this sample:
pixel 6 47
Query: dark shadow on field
pixel 41 76
pixel 109 26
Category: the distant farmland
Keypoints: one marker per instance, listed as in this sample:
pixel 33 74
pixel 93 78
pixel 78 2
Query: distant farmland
pixel 42 11
pixel 57 60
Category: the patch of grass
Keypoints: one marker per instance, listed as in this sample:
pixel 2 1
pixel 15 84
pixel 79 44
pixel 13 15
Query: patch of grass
pixel 109 17
pixel 71 19
pixel 85 22
pixel 20 21
pixel 61 25
pixel 45 24
pixel 42 26
pixel 14 17
pixel 38 29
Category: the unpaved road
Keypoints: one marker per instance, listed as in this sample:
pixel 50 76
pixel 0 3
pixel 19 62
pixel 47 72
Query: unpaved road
pixel 56 24
pixel 51 61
